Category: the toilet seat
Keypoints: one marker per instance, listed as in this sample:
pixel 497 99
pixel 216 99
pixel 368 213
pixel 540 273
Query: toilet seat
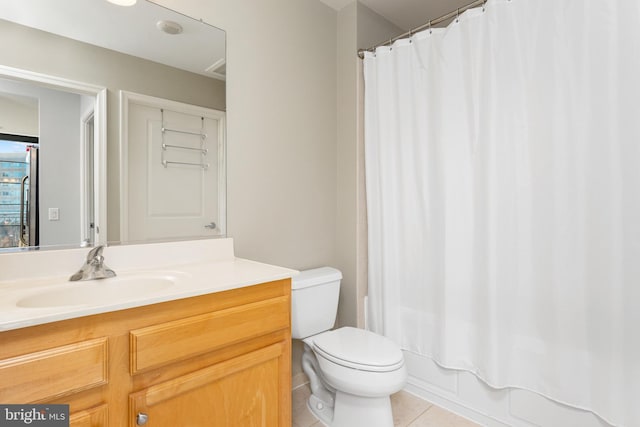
pixel 359 349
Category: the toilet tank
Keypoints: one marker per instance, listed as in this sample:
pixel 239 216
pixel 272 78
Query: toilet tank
pixel 314 301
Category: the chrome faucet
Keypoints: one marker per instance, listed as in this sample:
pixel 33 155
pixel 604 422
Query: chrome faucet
pixel 94 268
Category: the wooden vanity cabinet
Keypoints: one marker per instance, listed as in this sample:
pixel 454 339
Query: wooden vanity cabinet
pixel 221 359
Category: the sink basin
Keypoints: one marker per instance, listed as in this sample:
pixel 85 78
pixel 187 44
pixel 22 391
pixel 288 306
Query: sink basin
pixel 94 292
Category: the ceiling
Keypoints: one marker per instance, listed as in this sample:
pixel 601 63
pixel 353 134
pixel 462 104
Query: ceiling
pixel 406 14
pixel 131 30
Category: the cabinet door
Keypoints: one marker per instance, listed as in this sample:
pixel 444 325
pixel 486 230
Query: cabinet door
pixel 249 390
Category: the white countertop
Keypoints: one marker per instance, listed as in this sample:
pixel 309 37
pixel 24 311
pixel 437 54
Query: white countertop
pixel 208 269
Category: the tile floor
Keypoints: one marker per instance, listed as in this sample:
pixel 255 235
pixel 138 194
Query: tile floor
pixel 408 411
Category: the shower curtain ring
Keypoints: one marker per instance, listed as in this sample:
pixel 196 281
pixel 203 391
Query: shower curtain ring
pixel 458 15
pixel 429 27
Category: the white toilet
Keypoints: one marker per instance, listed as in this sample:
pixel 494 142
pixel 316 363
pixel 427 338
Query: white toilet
pixel 352 372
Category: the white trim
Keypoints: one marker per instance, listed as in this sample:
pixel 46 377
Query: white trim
pixel 51 82
pixel 222 174
pixel 100 166
pixel 127 98
pixel 84 226
pixel 431 394
pixel 100 124
pixel 123 150
pixel 471 397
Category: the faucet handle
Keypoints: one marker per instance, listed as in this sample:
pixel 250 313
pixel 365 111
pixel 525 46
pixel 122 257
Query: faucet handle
pixel 94 267
pixel 95 252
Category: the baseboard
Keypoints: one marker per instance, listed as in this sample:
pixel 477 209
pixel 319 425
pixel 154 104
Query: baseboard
pixel 430 393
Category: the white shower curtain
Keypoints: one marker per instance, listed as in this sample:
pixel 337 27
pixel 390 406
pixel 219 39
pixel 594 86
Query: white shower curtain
pixel 503 188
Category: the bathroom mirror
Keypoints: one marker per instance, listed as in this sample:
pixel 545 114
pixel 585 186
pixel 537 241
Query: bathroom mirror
pixel 163 137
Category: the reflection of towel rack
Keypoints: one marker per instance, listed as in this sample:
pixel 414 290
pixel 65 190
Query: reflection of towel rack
pixel 200 134
pixel 202 150
pixel 166 163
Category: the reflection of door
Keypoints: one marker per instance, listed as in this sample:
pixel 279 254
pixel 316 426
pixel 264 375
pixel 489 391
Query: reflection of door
pixel 18 194
pixel 172 172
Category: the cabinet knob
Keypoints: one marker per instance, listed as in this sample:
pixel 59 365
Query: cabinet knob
pixel 142 418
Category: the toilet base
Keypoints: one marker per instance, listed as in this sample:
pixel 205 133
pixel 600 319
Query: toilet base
pixel 353 411
pixel 320 409
pixel 358 411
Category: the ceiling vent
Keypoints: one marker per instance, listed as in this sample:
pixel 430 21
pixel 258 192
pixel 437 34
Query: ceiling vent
pixel 169 27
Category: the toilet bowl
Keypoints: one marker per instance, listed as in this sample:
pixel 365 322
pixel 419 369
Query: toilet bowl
pixel 359 362
pixel 352 372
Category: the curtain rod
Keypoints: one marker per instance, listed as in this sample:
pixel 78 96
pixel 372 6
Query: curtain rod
pixel 432 22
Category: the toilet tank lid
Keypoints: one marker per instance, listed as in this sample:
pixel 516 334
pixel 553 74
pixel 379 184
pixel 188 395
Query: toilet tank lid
pixel 315 276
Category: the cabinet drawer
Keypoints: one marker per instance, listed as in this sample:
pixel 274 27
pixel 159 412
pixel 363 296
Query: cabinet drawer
pixel 54 372
pixel 158 345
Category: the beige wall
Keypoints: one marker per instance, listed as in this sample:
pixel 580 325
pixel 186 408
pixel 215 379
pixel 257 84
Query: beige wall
pixel 346 211
pixel 374 29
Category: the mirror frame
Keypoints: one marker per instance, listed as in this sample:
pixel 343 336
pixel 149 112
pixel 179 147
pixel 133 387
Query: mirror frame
pixel 100 141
